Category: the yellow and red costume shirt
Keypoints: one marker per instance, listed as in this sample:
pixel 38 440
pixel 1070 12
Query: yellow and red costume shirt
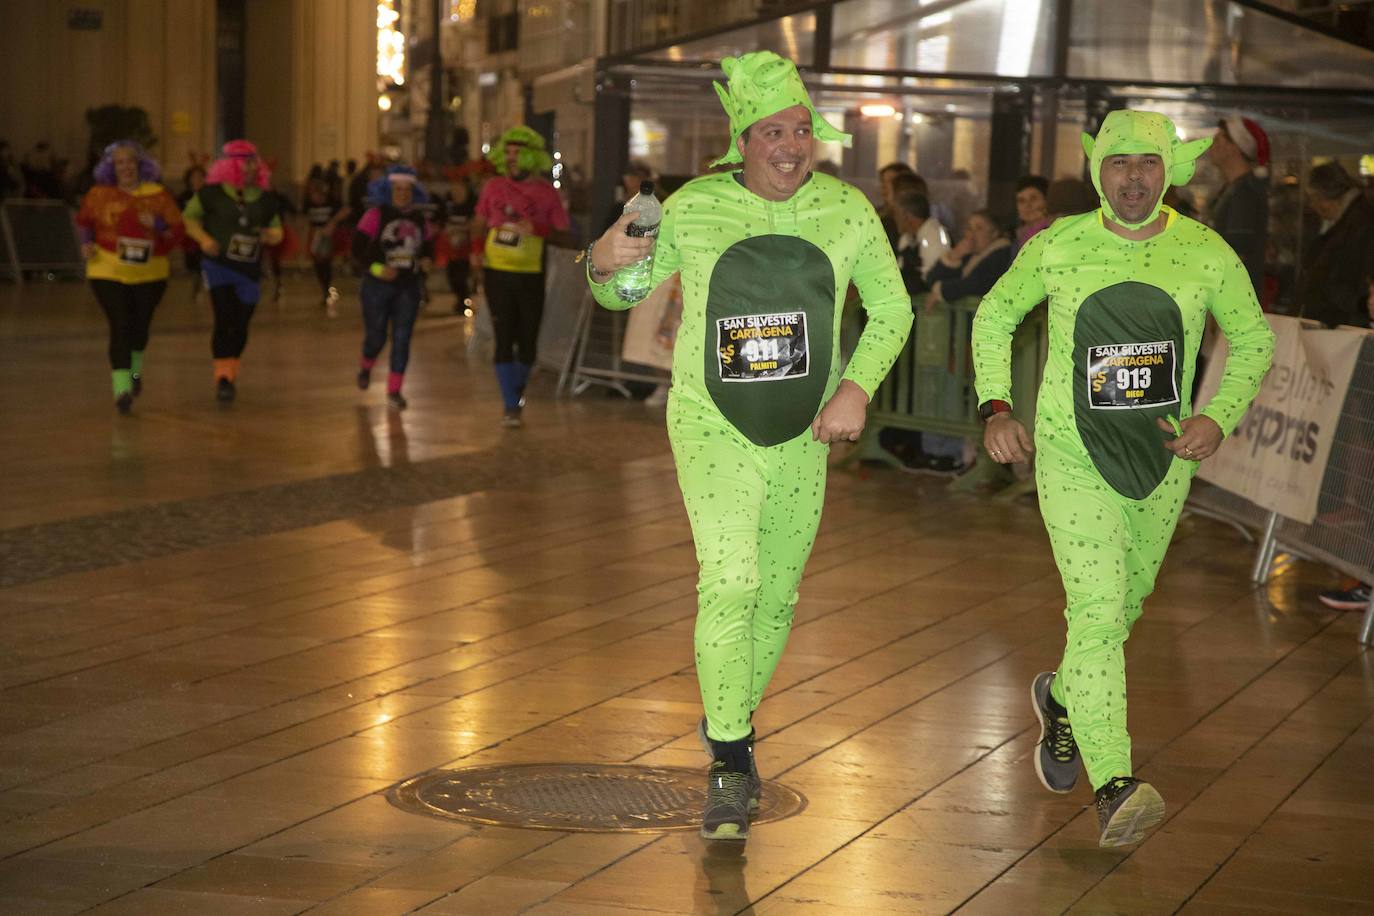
pixel 127 251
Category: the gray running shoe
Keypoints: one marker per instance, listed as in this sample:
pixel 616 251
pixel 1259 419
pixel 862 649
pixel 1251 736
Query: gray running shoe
pixel 755 783
pixel 1127 809
pixel 727 804
pixel 1056 758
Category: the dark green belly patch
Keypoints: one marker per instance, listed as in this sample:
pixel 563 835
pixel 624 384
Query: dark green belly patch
pixel 770 316
pixel 1127 356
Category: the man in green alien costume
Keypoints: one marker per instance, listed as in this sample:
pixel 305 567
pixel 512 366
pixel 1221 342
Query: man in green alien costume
pixel 766 253
pixel 1130 287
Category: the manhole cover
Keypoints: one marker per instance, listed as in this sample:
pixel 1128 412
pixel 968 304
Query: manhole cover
pixel 577 797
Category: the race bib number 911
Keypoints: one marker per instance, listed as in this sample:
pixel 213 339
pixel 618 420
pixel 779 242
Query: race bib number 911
pixel 1128 376
pixel 762 348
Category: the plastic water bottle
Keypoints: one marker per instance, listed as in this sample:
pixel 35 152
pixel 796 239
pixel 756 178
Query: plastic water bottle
pixel 632 282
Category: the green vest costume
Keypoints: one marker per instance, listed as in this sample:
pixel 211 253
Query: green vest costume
pixel 757 356
pixel 235 230
pixel 1125 323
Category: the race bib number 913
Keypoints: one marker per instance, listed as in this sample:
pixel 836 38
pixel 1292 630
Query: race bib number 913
pixel 762 348
pixel 1127 376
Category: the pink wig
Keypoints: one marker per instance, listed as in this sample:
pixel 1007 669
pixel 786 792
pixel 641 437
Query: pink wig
pixel 229 169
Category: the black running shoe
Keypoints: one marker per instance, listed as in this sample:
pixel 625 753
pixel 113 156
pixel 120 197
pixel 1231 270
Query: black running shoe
pixel 727 804
pixel 364 379
pixel 755 783
pixel 1346 599
pixel 224 390
pixel 1056 757
pixel 138 384
pixel 395 401
pixel 1127 809
pixel 124 403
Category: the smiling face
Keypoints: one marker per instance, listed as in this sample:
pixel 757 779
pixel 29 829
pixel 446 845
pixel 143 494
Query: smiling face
pixel 778 151
pixel 126 167
pixel 1131 184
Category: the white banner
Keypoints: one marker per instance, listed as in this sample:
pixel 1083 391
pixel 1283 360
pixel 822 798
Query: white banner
pixel 1276 457
pixel 652 326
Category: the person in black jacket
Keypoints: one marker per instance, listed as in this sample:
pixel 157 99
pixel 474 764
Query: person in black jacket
pixel 393 244
pixel 1336 270
pixel 972 266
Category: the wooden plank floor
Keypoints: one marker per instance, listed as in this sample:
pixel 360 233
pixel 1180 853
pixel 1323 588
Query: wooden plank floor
pixel 211 727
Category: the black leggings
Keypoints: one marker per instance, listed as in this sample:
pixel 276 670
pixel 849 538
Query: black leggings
pixel 517 306
pixel 231 322
pixel 128 307
pixel 324 272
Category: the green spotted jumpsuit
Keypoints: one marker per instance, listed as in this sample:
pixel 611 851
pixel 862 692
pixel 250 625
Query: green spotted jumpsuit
pixel 1125 321
pixel 757 355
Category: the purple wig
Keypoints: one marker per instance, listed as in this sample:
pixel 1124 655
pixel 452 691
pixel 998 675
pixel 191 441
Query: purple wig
pixel 229 169
pixel 104 172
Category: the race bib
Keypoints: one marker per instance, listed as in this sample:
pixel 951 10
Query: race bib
pixel 133 251
pixel 242 248
pixel 762 348
pixel 1127 376
pixel 508 236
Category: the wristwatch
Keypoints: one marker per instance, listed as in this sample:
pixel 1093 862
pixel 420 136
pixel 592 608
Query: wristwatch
pixel 988 408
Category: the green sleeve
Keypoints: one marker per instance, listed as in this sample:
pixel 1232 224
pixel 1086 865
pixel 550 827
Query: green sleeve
pixel 887 303
pixel 193 209
pixel 1249 340
pixel 1019 290
pixel 666 263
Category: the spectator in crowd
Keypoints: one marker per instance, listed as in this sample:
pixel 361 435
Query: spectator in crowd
pixel 930 240
pixel 1334 285
pixel 911 210
pixel 972 266
pixel 1239 210
pixel 887 177
pixel 40 172
pixel 1352 594
pixel 1032 207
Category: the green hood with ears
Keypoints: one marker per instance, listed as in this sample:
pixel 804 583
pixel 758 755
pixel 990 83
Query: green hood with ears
pixel 1134 132
pixel 760 84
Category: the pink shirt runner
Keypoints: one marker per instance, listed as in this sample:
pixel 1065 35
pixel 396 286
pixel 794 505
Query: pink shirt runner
pixel 505 202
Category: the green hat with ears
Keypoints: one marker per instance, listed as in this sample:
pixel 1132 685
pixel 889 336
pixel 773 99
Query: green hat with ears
pixel 1135 132
pixel 760 84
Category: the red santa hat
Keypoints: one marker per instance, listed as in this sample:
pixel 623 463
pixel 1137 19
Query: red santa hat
pixel 1251 139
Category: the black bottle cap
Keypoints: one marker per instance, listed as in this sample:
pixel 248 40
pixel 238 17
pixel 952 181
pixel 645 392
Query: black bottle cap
pixel 646 187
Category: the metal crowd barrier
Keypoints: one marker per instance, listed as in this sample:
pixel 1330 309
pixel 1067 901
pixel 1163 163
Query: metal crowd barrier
pixel 1342 534
pixel 38 235
pixel 595 355
pixel 930 388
